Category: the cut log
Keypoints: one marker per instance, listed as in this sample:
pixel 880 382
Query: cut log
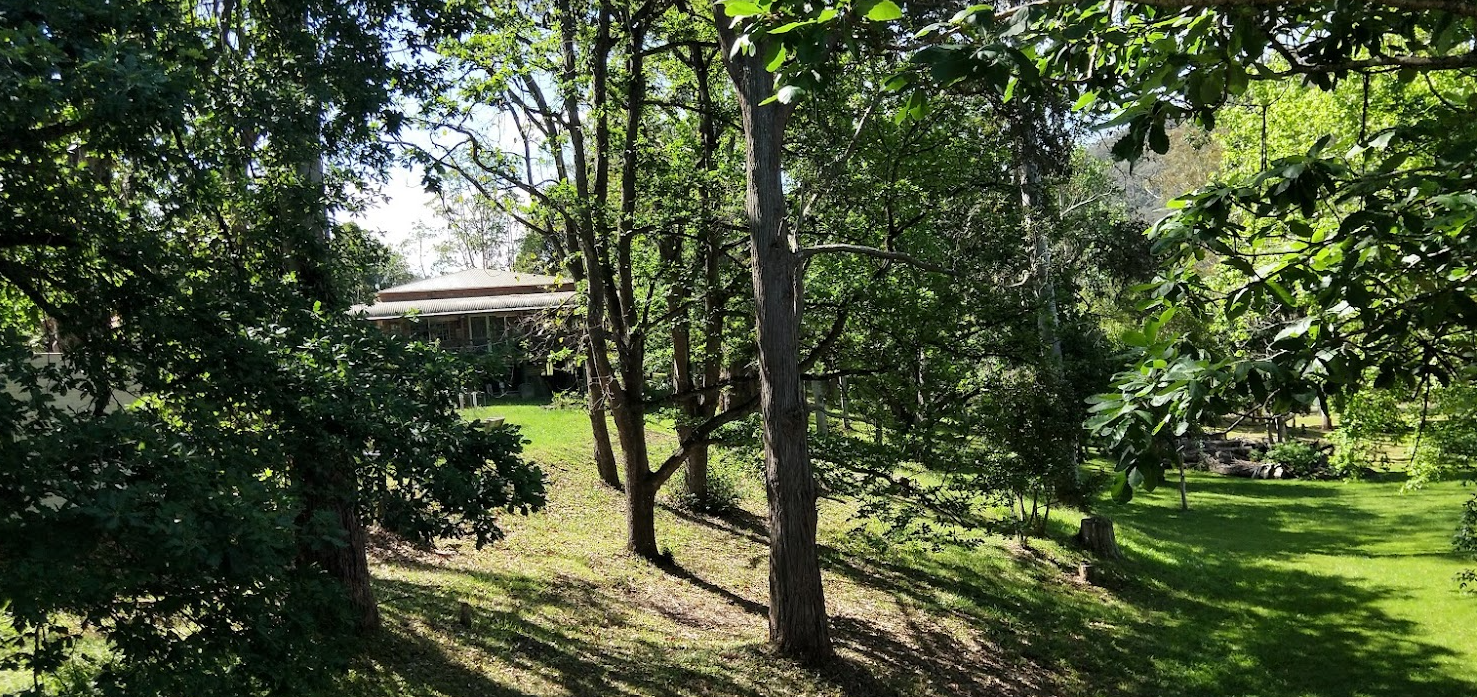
pixel 1249 469
pixel 1096 535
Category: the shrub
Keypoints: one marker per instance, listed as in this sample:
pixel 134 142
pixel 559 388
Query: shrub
pixel 1371 419
pixel 1466 541
pixel 725 487
pixel 570 399
pixel 1295 455
pixel 1447 442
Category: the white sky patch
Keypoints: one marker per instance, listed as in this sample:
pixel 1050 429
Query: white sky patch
pixel 400 205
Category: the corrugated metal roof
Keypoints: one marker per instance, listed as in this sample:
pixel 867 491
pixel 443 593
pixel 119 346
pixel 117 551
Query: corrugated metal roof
pixel 475 279
pixel 492 304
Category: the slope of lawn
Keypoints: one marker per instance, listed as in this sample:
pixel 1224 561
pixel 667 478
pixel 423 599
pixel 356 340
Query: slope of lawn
pixel 1262 588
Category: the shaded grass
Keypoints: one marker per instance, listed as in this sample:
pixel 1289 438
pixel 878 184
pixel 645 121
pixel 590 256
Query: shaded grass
pixel 1263 588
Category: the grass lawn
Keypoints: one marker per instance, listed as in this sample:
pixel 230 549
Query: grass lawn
pixel 1263 588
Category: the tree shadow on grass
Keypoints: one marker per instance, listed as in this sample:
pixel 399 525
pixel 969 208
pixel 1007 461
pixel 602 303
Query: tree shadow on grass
pixel 1205 609
pixel 737 522
pixel 1204 606
pixel 557 635
pixel 750 606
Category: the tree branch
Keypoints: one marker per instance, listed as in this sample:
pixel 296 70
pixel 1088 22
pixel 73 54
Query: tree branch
pixel 909 259
pixel 699 436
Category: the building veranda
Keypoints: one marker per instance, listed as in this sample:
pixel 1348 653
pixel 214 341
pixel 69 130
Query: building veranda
pixel 503 319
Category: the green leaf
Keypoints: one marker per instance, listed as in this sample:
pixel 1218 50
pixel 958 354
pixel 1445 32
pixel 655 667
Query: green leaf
pixel 785 28
pixel 1153 476
pixel 1121 491
pixel 740 8
pixel 776 61
pixel 1159 138
pixel 884 11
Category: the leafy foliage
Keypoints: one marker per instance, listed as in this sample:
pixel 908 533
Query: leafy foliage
pixel 1302 458
pixel 1447 435
pixel 1466 540
pixel 1369 422
pixel 1172 390
pixel 217 426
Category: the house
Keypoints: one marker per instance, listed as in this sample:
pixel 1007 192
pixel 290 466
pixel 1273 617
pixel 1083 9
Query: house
pixel 482 311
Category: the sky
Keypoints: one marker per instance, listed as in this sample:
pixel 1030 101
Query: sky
pixel 402 204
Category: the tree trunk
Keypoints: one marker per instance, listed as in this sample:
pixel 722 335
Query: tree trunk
pixel 604 456
pixel 630 426
pixel 1033 205
pixel 641 518
pixel 329 484
pixel 349 565
pixel 1096 536
pixel 1184 495
pixel 797 606
pixel 845 406
pixel 1325 411
pixel 697 475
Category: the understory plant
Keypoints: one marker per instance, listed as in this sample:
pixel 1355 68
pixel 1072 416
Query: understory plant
pixel 1466 541
pixel 1447 439
pixel 1371 420
pixel 1298 456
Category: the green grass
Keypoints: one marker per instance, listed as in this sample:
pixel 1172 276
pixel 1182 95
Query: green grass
pixel 1263 588
pixel 1303 588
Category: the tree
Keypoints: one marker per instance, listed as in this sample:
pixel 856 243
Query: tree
pixel 478 233
pixel 1359 255
pixel 588 104
pixel 363 265
pixel 168 210
pixel 797 605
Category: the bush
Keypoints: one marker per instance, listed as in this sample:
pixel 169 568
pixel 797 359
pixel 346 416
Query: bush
pixel 1295 455
pixel 1447 442
pixel 725 487
pixel 1466 541
pixel 570 399
pixel 1372 420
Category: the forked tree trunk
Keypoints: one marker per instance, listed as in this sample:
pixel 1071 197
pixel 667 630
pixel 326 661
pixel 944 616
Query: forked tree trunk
pixel 797 604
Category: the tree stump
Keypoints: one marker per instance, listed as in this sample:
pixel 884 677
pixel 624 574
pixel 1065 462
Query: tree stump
pixel 1097 537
